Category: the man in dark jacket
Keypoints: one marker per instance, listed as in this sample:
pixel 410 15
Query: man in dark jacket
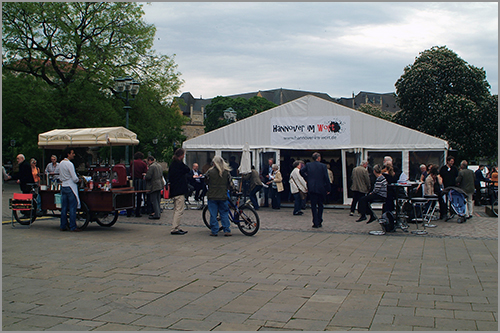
pixel 177 177
pixel 318 187
pixel 477 184
pixel 449 174
pixel 24 176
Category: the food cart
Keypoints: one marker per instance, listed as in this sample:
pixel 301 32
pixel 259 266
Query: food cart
pixel 108 190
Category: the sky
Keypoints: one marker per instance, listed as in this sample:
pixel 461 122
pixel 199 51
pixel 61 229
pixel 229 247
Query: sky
pixel 338 48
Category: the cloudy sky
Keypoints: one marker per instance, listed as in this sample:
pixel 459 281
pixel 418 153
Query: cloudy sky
pixel 226 48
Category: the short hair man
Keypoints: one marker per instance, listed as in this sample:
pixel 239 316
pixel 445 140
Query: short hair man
pixel 69 191
pixel 318 187
pixel 465 180
pixel 24 176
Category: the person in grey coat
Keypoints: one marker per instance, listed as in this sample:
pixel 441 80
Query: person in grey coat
pixel 465 181
pixel 154 184
pixel 360 184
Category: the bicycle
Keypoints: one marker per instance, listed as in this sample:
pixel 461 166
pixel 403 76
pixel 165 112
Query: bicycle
pixel 26 217
pixel 493 194
pixel 244 215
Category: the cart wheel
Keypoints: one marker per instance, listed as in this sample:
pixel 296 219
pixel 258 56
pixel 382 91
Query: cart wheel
pixel 106 219
pixel 82 216
pixel 26 217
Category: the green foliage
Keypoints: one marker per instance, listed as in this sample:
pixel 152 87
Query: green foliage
pixel 244 108
pixel 59 64
pixel 375 110
pixel 444 96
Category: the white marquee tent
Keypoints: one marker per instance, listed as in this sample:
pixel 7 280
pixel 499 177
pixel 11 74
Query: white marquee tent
pixel 311 123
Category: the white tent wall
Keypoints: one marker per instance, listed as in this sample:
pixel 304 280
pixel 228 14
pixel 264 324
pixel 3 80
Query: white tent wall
pixel 295 125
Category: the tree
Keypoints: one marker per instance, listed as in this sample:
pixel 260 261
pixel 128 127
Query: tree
pixel 444 96
pixel 244 108
pixel 376 110
pixel 59 64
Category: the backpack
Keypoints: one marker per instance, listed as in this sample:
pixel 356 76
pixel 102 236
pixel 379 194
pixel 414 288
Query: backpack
pixel 387 222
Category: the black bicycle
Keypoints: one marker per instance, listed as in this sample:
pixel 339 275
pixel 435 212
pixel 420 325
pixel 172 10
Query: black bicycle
pixel 493 194
pixel 244 215
pixel 29 215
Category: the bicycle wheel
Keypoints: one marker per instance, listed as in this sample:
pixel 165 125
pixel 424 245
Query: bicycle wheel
pixel 106 219
pixel 494 207
pixel 25 217
pixel 82 216
pixel 248 221
pixel 206 218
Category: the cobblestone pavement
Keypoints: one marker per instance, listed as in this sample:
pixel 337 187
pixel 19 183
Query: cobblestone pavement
pixel 136 276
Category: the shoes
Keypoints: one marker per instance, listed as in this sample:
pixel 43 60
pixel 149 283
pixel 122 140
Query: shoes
pixel 315 226
pixel 362 218
pixel 298 213
pixel 227 234
pixel 351 214
pixel 152 217
pixel 76 230
pixel 320 225
pixel 178 232
pixel 372 218
pixel 212 234
pixel 138 215
pixel 65 229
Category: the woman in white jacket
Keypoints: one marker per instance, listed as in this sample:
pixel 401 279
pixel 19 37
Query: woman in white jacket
pixel 297 183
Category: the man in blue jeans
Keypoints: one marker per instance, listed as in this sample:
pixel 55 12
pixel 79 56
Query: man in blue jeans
pixel 69 191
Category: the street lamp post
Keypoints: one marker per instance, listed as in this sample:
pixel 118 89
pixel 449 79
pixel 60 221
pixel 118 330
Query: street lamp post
pixel 126 88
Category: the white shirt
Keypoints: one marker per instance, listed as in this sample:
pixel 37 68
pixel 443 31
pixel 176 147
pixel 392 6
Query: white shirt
pixel 67 175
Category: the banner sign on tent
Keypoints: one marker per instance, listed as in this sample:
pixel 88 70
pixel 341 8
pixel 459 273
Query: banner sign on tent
pixel 323 131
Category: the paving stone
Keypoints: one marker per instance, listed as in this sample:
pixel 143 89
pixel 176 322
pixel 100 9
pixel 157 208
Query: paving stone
pixel 306 324
pixel 474 315
pixel 446 324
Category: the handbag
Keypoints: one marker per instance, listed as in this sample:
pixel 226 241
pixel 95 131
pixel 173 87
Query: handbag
pixel 303 195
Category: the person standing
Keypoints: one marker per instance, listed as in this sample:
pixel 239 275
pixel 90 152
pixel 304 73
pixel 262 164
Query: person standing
pixel 266 172
pixel 24 175
pixel 449 174
pixel 297 185
pixel 69 191
pixel 218 179
pixel 35 171
pixel 5 176
pixel 255 186
pixel 140 170
pixel 477 184
pixel 177 177
pixel 360 184
pixel 318 186
pixel 234 166
pixel 154 184
pixel 276 185
pixel 52 169
pixel 465 180
pixel 331 176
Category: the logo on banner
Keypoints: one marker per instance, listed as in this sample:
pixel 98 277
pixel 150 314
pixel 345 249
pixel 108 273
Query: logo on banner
pixel 318 130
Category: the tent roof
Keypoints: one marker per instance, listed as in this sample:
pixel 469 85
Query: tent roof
pixel 87 137
pixel 362 130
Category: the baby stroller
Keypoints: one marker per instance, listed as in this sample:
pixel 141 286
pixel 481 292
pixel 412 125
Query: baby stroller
pixel 457 203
